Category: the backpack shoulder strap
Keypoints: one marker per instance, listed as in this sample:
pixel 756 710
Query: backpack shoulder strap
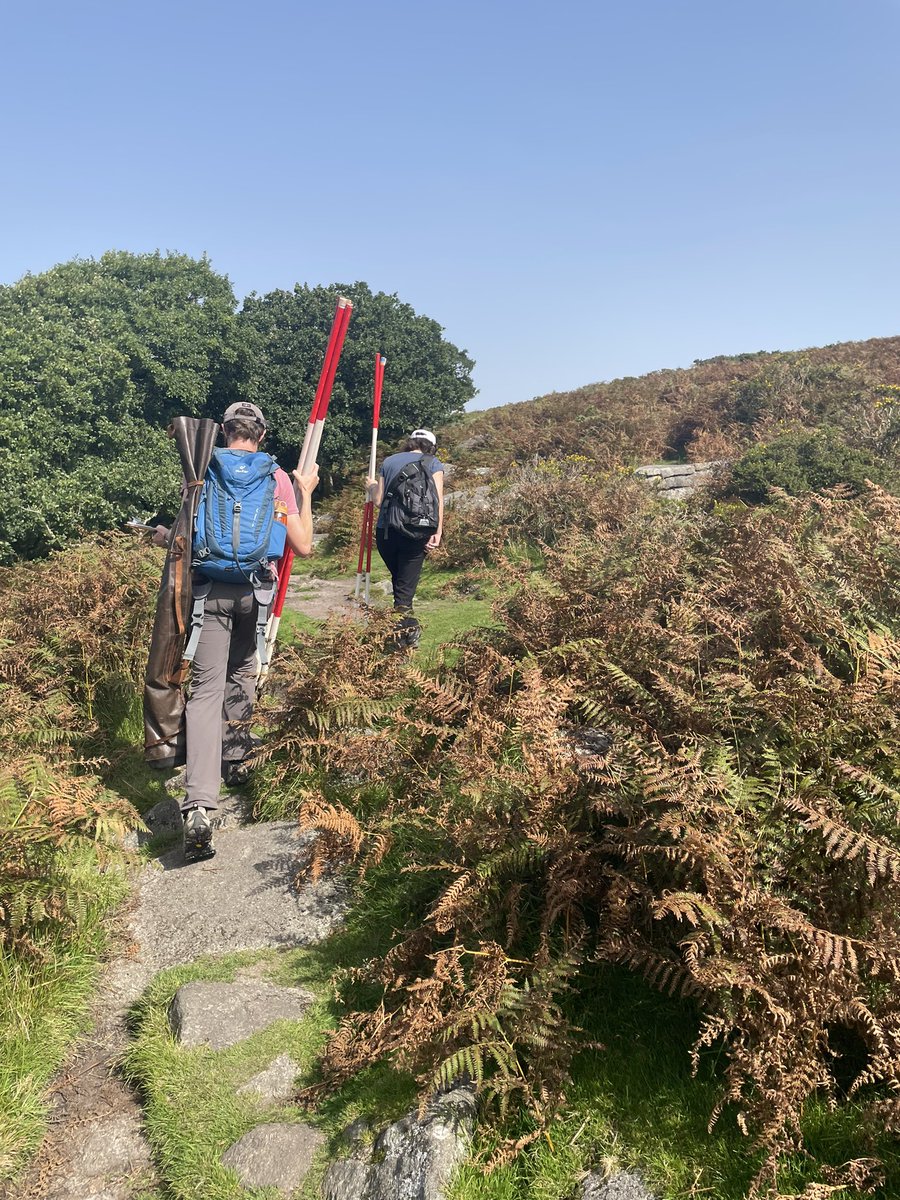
pixel 402 475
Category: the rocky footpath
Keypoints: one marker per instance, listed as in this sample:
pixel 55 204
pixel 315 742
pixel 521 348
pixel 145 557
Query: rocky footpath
pixel 245 898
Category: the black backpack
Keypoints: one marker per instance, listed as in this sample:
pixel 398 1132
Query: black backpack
pixel 412 500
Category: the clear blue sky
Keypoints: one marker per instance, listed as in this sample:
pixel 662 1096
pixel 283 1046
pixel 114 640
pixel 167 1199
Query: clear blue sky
pixel 576 191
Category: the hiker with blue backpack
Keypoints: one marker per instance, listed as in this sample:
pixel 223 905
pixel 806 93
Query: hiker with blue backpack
pixel 409 495
pixel 247 513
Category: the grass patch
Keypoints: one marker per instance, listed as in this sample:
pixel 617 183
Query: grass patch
pixel 322 564
pixel 444 620
pixel 44 1001
pixel 294 624
pixel 634 1105
pixel 444 615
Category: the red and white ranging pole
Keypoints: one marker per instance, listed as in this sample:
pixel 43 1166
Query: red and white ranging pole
pixel 365 537
pixel 309 455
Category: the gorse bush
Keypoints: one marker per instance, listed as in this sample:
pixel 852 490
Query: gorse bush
pixel 679 754
pixel 802 462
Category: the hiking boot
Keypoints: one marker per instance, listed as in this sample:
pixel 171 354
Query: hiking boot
pixel 236 773
pixel 197 835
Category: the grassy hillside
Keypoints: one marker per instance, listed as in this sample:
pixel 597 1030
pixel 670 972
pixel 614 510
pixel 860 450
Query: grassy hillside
pixel 717 408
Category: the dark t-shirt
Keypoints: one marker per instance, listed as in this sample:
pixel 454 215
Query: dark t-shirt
pixel 391 468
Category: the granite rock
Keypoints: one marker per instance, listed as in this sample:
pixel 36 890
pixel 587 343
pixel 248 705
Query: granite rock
pixel 221 1014
pixel 622 1185
pixel 275 1084
pixel 275 1155
pixel 413 1159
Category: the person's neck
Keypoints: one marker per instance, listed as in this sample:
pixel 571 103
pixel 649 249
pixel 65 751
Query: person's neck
pixel 243 444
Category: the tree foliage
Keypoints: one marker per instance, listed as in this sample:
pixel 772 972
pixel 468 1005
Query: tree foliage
pixel 96 357
pixel 427 379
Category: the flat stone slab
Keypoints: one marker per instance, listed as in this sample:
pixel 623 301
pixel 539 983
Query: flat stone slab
pixel 622 1185
pixel 246 898
pixel 274 1156
pixel 109 1158
pixel 219 1015
pixel 275 1084
pixel 165 820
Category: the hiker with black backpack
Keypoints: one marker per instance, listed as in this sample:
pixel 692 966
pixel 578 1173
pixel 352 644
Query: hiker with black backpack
pixel 409 494
pixel 247 512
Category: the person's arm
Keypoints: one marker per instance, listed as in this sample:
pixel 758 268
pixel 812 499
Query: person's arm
pixel 375 490
pixel 299 526
pixel 161 535
pixel 435 540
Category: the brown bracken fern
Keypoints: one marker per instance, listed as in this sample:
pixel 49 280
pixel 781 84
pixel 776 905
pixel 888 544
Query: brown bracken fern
pixel 679 754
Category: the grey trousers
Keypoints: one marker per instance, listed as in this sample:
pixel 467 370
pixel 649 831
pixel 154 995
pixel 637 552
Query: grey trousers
pixel 223 687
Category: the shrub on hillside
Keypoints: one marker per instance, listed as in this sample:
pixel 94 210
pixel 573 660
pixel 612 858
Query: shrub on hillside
pixel 679 754
pixel 800 462
pixel 96 358
pixel 536 503
pixel 74 634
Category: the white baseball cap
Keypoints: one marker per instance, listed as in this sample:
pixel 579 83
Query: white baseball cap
pixel 425 434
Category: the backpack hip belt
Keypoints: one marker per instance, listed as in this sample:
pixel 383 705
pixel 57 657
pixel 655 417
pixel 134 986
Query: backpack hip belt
pixel 263 593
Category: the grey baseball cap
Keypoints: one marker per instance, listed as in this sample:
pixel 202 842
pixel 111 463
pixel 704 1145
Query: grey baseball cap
pixel 244 409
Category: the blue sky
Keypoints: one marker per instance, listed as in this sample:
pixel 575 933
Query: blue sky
pixel 576 191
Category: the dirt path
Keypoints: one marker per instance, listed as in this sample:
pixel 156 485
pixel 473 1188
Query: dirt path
pixel 246 898
pixel 320 598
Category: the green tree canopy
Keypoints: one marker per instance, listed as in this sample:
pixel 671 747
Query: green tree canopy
pixel 96 357
pixel 427 379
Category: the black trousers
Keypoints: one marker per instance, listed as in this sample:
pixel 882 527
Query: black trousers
pixel 403 557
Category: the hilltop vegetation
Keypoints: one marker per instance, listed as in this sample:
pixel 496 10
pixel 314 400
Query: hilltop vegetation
pixel 716 409
pixel 671 759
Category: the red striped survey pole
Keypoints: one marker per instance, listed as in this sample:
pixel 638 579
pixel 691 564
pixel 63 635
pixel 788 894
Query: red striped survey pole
pixel 326 380
pixel 368 521
pixel 308 457
pixel 329 370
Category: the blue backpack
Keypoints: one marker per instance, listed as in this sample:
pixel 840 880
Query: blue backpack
pixel 235 531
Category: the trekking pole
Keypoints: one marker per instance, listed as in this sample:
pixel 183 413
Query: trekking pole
pixel 369 551
pixel 368 521
pixel 308 455
pixel 362 548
